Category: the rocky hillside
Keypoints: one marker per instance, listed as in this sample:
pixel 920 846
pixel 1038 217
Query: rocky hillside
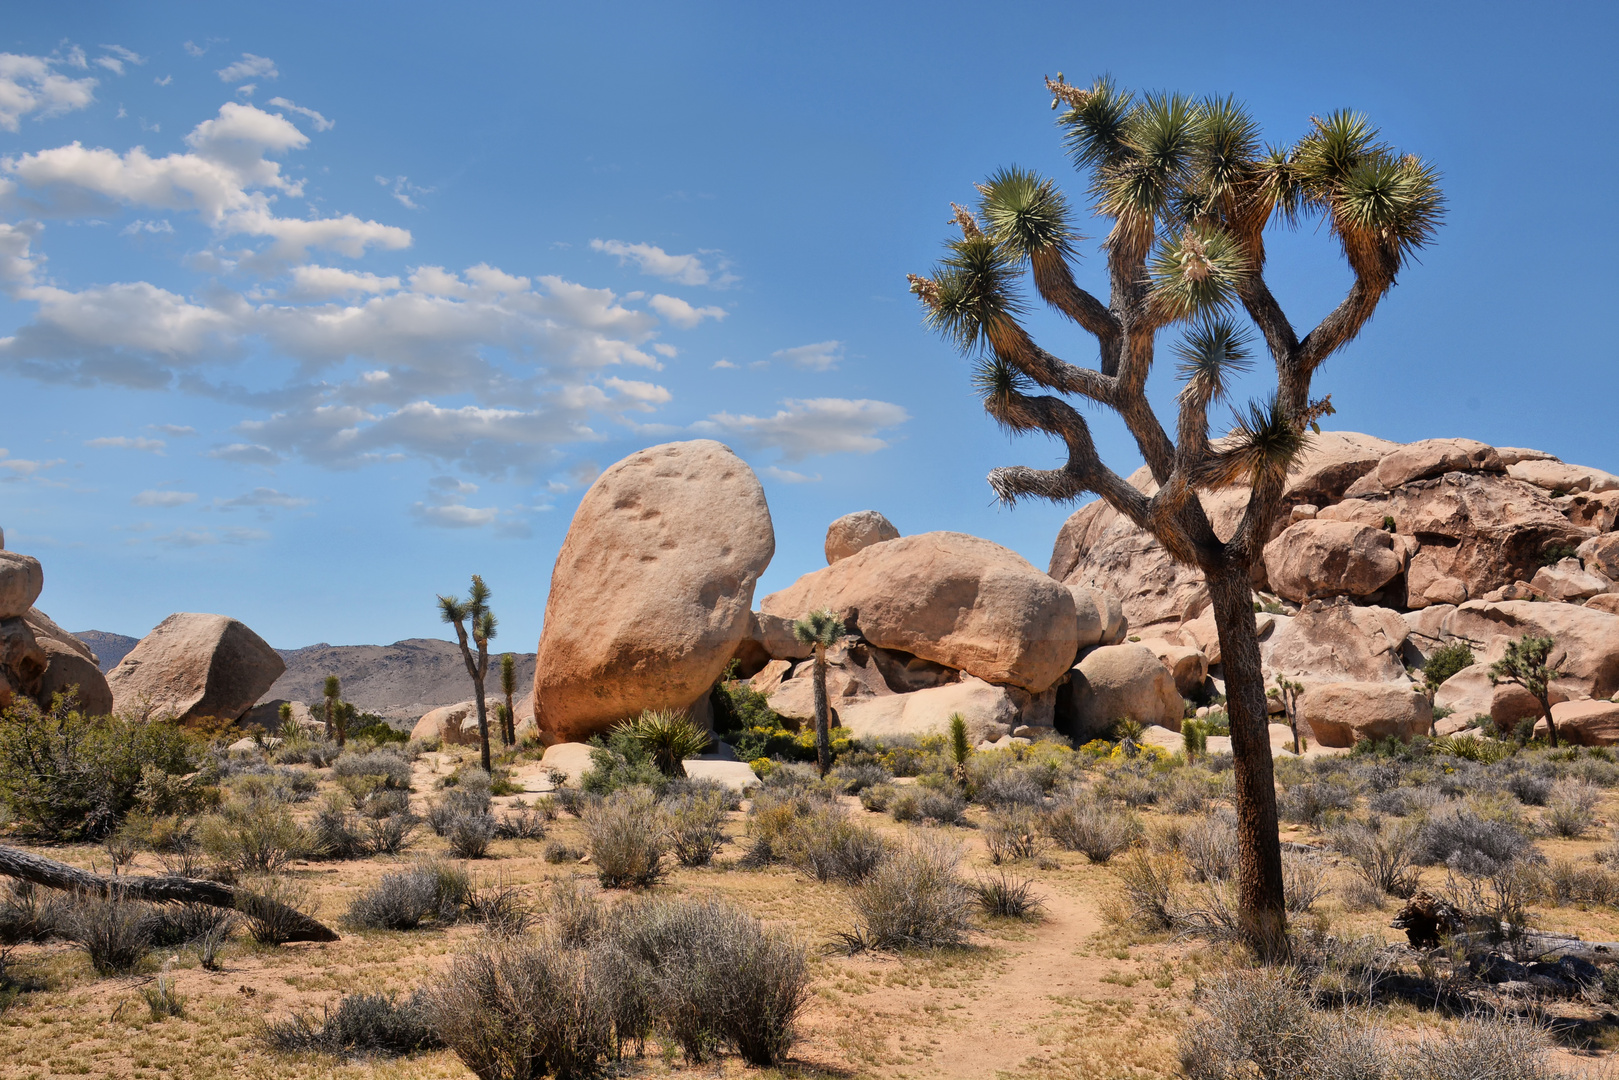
pixel 401 681
pixel 109 648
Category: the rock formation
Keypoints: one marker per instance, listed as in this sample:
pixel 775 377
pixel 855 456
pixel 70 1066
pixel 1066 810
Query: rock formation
pixel 195 666
pixel 38 659
pixel 651 593
pixel 856 532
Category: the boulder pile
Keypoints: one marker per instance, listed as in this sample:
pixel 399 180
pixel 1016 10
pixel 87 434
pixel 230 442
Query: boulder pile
pixel 38 659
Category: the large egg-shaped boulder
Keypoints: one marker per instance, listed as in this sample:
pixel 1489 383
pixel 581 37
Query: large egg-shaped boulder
pixel 958 600
pixel 194 666
pixel 652 589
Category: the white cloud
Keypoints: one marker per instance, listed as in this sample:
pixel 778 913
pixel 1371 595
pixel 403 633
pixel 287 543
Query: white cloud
pixel 164 81
pixel 263 497
pixel 822 356
pixel 17 261
pixel 320 122
pixel 248 67
pixel 326 282
pixel 138 226
pixel 21 467
pixel 723 365
pixel 164 498
pixel 455 516
pixel 787 476
pixel 653 260
pixel 124 442
pixel 29 85
pixel 246 454
pixel 192 538
pixel 644 395
pixel 177 431
pixel 813 426
pixel 682 314
pixel 403 189
pixel 128 56
pixel 667 351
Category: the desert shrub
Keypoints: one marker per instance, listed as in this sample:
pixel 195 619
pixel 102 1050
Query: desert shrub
pixel 334 830
pixel 1571 808
pixel 116 934
pixel 577 916
pixel 398 902
pixel 360 1024
pixel 857 777
pixel 1568 882
pixel 390 766
pixel 668 737
pixel 254 836
pixel 696 827
pixel 1459 833
pixel 522 823
pixel 877 797
pixel 29 913
pixel 1406 801
pixel 738 709
pixel 385 802
pixel 1134 785
pixel 832 847
pixel 516 1008
pixel 1012 833
pixel 469 834
pixel 1210 847
pixel 946 807
pixel 280 785
pixel 390 835
pixel 1261 1023
pixel 620 761
pixel 1307 802
pixel 1304 881
pixel 312 750
pixel 1080 824
pixel 1382 854
pixel 1444 662
pixel 906 805
pixel 772 819
pixel 1151 894
pixel 914 899
pixel 1187 793
pixel 1488 1046
pixel 165 794
pixel 998 780
pixel 1358 894
pixel 1007 897
pixel 271 904
pixel 558 851
pixel 1529 788
pixel 452 886
pixel 65 775
pixel 714 977
pixel 628 838
pixel 499 907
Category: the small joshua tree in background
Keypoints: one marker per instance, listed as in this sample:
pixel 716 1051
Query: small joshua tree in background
pixel 335 727
pixel 960 748
pixel 1526 663
pixel 284 715
pixel 508 687
pixel 822 630
pixel 1288 693
pixel 474 612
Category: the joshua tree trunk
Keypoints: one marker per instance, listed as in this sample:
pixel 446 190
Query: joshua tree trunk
pixel 823 735
pixel 478 674
pixel 1260 863
pixel 1546 711
pixel 55 875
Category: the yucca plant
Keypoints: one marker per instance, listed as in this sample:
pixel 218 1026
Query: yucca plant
pixel 669 736
pixel 820 629
pixel 473 613
pixel 1189 191
pixel 508 687
pixel 1528 663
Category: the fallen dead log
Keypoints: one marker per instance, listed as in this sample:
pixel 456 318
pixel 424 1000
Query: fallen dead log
pixel 160 890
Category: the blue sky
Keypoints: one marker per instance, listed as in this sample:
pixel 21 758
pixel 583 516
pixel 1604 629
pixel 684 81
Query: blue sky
pixel 311 311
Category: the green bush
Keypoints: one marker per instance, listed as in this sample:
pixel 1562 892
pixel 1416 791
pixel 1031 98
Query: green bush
pixel 64 775
pixel 620 761
pixel 1444 662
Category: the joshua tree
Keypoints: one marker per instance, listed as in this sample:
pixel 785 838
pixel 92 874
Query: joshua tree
pixel 1527 665
pixel 1188 193
pixel 822 630
pixel 474 611
pixel 335 728
pixel 1287 692
pixel 508 687
pixel 283 714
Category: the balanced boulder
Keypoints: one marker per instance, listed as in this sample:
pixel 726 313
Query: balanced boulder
pixel 1312 559
pixel 651 592
pixel 1117 682
pixel 1339 642
pixel 1435 457
pixel 21 581
pixel 1101 617
pixel 67 669
pixel 1342 714
pixel 193 666
pixel 958 600
pixel 856 532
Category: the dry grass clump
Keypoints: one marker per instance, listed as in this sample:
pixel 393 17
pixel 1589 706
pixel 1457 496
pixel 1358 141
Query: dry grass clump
pixel 1383 854
pixel 1013 833
pixel 1080 823
pixel 116 934
pixel 628 838
pixel 1571 808
pixel 831 846
pixel 695 823
pixel 271 904
pixel 361 1024
pixel 1007 897
pixel 914 900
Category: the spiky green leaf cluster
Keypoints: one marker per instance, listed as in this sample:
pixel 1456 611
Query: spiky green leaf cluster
pixel 1260 449
pixel 976 287
pixel 1026 214
pixel 818 628
pixel 1198 271
pixel 1212 353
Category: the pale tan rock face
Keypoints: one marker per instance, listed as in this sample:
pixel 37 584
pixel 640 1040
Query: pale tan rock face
pixel 193 666
pixel 1511 704
pixel 990 712
pixel 856 532
pixel 1587 723
pixel 1187 665
pixel 448 724
pixel 954 599
pixel 1556 476
pixel 1600 554
pixel 1467 694
pixel 1568 580
pixel 651 591
pixel 1101 617
pixel 1587 639
pixel 44 626
pixel 21 581
pixel 1599 513
pixel 1116 682
pixel 1312 559
pixel 1435 457
pixel 22 661
pixel 1340 642
pixel 1485 531
pixel 67 669
pixel 1342 714
pixel 1608 602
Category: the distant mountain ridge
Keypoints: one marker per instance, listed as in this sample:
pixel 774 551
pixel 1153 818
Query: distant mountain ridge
pixel 399 681
pixel 109 648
